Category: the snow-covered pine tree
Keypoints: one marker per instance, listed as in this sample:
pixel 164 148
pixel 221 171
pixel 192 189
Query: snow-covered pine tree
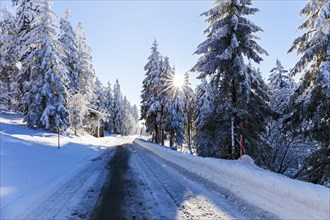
pixel 108 106
pixel 45 95
pixel 8 58
pixel 99 99
pixel 118 111
pixel 310 104
pixel 204 137
pixel 77 103
pixel 135 115
pixel 230 40
pixel 68 38
pixel 175 119
pixel 128 120
pixel 26 13
pixel 148 96
pixel 85 69
pixel 163 91
pixel 189 108
pixel 285 148
pixel 278 78
pixel 281 86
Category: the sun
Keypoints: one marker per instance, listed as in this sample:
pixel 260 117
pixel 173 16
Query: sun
pixel 178 81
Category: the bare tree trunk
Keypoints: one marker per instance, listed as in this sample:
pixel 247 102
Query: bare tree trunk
pixel 171 138
pixel 232 138
pixel 163 137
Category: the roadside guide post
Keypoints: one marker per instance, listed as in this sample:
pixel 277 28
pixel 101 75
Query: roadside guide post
pixel 58 137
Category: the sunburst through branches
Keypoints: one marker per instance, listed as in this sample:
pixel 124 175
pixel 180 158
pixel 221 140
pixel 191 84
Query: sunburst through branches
pixel 177 83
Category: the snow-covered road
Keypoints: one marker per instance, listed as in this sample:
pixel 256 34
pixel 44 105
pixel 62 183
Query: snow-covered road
pixel 143 185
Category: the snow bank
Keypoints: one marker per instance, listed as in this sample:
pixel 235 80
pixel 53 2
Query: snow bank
pixel 285 197
pixel 31 166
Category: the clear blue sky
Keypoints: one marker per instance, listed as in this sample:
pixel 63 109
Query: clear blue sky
pixel 121 33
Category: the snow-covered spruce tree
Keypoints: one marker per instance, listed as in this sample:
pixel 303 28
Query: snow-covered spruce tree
pixel 285 151
pixel 281 86
pixel 229 41
pixel 128 120
pixel 85 69
pixel 135 114
pixel 189 109
pixel 175 119
pixel 310 104
pixel 205 129
pixel 108 106
pixel 8 58
pixel 118 109
pixel 148 96
pixel 68 38
pixel 99 100
pixel 26 13
pixel 163 91
pixel 45 95
pixel 77 103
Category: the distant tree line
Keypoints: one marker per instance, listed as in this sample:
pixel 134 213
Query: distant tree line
pixel 285 126
pixel 49 77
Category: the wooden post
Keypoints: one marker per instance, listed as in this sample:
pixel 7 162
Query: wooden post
pixel 98 125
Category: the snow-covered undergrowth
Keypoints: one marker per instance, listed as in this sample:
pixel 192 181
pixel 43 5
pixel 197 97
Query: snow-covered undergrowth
pixel 31 165
pixel 285 197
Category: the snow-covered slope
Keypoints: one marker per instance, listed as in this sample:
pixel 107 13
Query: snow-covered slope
pixel 31 166
pixel 285 197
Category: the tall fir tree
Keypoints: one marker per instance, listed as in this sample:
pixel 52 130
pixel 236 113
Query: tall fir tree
pixel 109 106
pixel 310 104
pixel 230 40
pixel 26 13
pixel 148 96
pixel 205 129
pixel 68 38
pixel 98 101
pixel 118 109
pixel 45 95
pixel 85 69
pixel 8 57
pixel 189 106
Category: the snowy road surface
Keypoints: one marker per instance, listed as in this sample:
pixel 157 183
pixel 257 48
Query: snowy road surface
pixel 142 185
pixel 224 184
pixel 144 180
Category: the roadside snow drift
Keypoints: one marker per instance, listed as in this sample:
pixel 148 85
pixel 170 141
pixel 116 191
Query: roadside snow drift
pixel 31 165
pixel 285 197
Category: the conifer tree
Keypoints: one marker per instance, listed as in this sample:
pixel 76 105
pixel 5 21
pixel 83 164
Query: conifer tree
pixel 189 106
pixel 204 137
pixel 8 57
pixel 45 95
pixel 231 39
pixel 85 69
pixel 118 109
pixel 26 13
pixel 99 100
pixel 310 104
pixel 109 106
pixel 68 38
pixel 149 106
